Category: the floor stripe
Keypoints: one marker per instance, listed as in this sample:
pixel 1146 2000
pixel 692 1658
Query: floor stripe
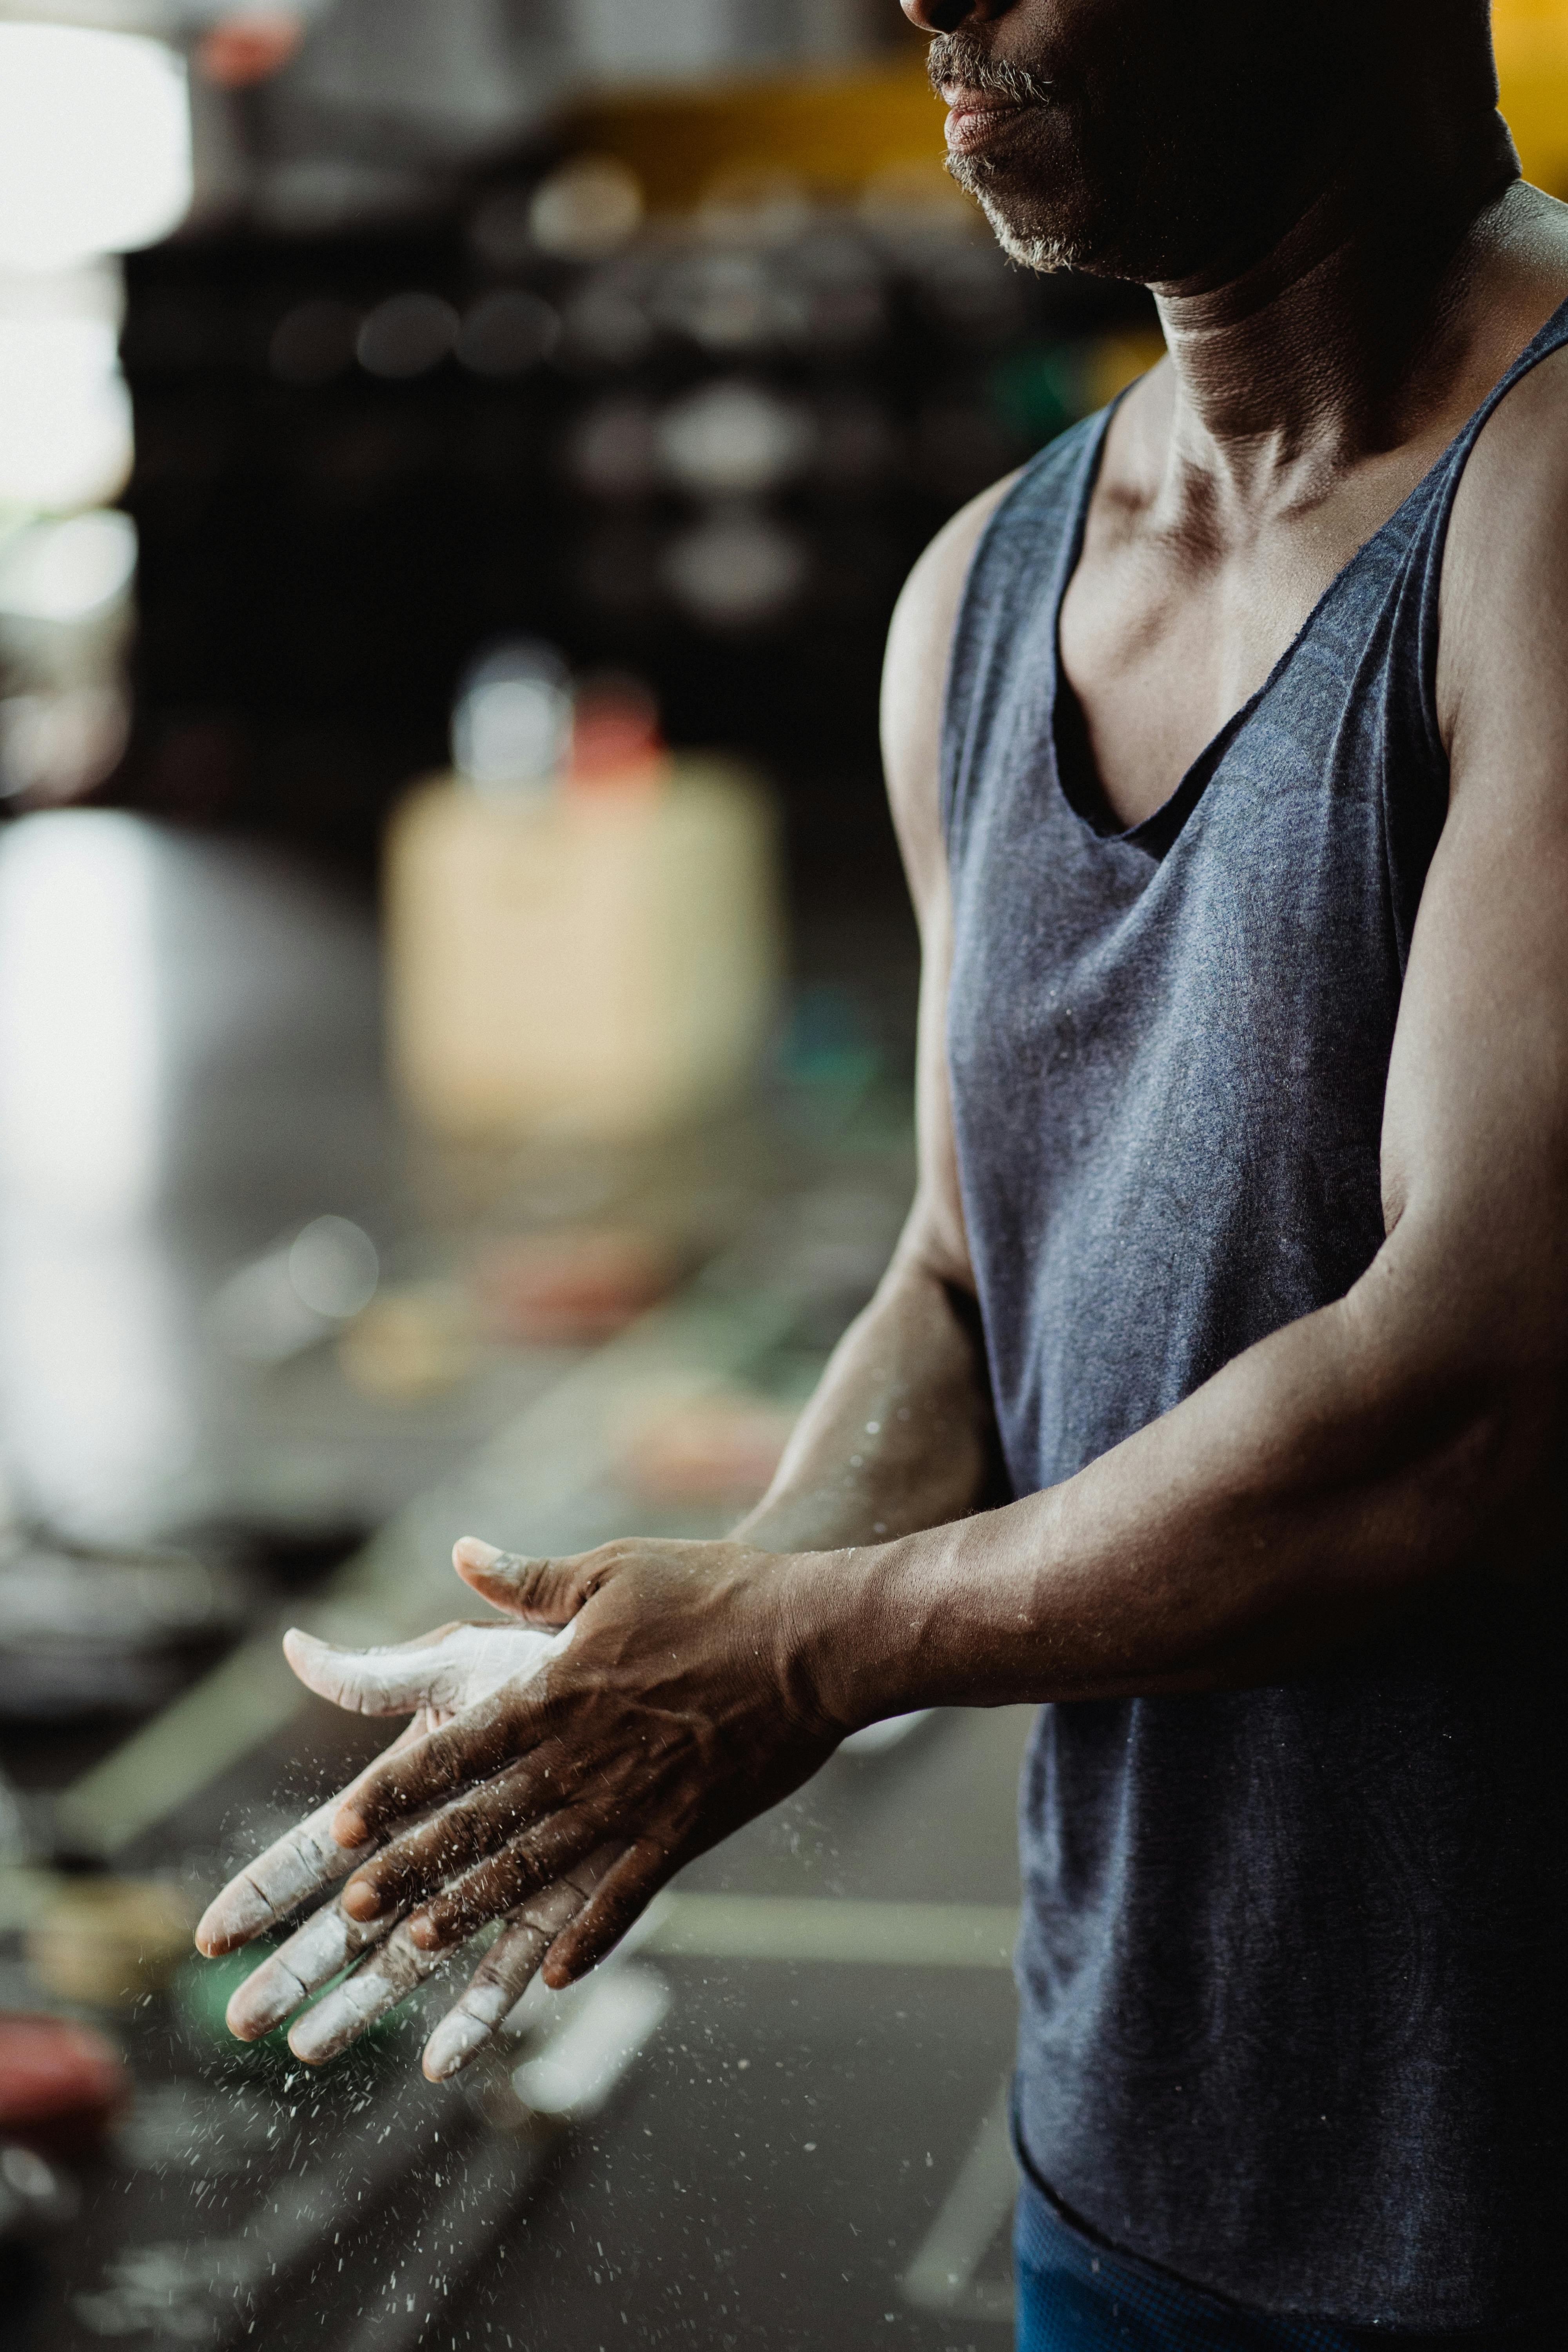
pixel 942 2275
pixel 835 1929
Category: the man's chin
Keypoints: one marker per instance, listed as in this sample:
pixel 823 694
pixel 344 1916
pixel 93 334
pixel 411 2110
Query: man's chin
pixel 1028 231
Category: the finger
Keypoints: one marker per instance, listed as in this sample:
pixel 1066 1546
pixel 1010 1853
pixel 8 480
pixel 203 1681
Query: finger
pixel 629 1887
pixel 305 1861
pixel 377 1986
pixel 463 1832
pixel 477 1744
pixel 552 1850
pixel 551 1591
pixel 310 1959
pixel 327 1942
pixel 460 1834
pixel 509 1967
pixel 456 1667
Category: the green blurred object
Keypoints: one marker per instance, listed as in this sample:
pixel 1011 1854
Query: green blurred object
pixel 1039 390
pixel 826 1042
pixel 203 1989
pixel 201 1993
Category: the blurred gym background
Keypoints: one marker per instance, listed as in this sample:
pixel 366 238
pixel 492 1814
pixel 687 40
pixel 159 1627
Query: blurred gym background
pixel 456 463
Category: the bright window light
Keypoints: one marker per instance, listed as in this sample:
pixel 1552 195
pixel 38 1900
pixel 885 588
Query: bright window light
pixel 67 572
pixel 65 413
pixel 80 1075
pixel 95 143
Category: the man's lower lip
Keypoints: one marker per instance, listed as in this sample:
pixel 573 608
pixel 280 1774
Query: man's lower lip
pixel 971 126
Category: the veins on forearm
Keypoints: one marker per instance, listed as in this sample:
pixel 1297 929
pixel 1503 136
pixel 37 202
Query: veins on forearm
pixel 899 1435
pixel 1339 1478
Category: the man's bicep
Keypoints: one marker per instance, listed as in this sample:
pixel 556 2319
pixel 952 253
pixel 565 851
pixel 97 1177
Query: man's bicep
pixel 914 690
pixel 914 683
pixel 1475 1133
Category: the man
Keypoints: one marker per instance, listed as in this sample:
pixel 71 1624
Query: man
pixel 1240 851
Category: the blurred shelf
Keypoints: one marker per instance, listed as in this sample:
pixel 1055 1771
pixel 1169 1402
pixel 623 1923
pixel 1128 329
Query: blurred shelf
pixel 835 133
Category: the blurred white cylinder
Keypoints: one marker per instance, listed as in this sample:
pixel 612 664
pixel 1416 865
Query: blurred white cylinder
pixel 95 143
pixel 65 411
pixel 602 962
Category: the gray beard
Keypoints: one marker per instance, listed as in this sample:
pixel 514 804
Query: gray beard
pixel 1044 254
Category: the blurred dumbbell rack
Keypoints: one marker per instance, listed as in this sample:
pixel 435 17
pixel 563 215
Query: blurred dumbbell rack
pixel 710 456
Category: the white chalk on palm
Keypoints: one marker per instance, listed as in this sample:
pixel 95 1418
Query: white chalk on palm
pixel 305 1861
pixel 438 1675
pixel 444 1673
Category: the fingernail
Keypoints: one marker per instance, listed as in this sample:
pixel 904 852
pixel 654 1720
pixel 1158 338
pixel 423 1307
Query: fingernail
pixel 263 2001
pixel 452 2044
pixel 210 1938
pixel 348 1827
pixel 239 1913
pixel 425 1933
pixel 323 2030
pixel 362 1901
pixel 481 1554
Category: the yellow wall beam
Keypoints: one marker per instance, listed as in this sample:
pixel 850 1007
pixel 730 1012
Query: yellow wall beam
pixel 836 132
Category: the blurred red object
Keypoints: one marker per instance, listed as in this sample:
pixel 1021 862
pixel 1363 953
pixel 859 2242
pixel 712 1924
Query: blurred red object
pixel 719 1450
pixel 61 2085
pixel 569 1288
pixel 615 738
pixel 244 49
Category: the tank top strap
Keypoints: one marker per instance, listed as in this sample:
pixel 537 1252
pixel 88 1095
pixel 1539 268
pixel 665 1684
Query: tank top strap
pixel 1017 573
pixel 1423 521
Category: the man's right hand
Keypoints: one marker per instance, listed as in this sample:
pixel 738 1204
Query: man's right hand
pixel 436 1676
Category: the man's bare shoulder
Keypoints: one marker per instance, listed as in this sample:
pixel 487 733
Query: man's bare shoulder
pixel 1504 611
pixel 1519 279
pixel 914 684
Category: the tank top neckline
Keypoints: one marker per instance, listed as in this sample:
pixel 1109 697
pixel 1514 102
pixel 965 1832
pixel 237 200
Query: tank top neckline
pixel 1156 833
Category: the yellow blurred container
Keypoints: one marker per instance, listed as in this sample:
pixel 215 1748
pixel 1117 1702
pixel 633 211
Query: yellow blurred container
pixel 601 962
pixel 1531 42
pixel 109 1941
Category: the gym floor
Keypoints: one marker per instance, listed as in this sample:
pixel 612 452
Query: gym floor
pixel 780 2120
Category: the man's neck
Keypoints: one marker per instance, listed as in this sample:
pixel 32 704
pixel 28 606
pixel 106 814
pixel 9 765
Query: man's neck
pixel 1311 353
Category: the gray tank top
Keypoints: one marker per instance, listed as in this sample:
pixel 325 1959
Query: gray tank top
pixel 1292 1966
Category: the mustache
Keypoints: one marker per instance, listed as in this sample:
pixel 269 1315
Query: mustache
pixel 956 59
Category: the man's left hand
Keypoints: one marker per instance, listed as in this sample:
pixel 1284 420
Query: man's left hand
pixel 680 1709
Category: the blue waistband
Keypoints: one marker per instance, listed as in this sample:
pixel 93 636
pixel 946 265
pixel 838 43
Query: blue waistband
pixel 1077 2295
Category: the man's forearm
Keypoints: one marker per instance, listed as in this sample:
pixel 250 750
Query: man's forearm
pixel 899 1434
pixel 1310 1489
pixel 1330 1475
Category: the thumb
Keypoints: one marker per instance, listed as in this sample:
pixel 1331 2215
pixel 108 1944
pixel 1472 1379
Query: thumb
pixel 550 1591
pixel 456 1667
pixel 396 1680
